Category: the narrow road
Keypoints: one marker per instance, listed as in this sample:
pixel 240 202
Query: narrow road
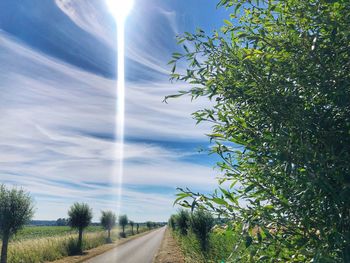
pixel 138 250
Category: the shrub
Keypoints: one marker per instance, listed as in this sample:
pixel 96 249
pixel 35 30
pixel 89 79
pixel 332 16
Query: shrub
pixel 201 224
pixel 172 223
pixel 182 220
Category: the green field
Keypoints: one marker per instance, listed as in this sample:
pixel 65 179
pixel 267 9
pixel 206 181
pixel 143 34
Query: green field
pixel 33 232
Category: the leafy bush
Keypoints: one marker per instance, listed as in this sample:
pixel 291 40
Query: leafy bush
pixel 182 220
pixel 201 224
pixel 278 74
pixel 172 223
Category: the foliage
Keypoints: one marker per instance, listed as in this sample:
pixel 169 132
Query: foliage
pixel 62 222
pixel 278 76
pixel 16 210
pixel 201 222
pixel 123 221
pixel 182 221
pixel 132 223
pixel 220 247
pixel 149 224
pixel 80 215
pixel 108 221
pixel 172 223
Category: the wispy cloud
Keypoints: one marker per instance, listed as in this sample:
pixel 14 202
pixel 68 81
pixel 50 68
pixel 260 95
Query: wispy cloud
pixel 57 137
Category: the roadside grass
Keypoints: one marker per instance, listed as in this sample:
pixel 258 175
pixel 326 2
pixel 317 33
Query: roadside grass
pixel 43 244
pixel 220 247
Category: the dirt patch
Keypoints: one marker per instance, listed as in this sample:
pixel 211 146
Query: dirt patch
pixel 169 251
pixel 97 251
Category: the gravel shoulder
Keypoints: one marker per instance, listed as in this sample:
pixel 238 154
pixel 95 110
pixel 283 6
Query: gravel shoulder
pixel 169 251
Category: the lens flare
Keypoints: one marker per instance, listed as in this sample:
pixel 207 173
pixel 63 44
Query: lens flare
pixel 120 10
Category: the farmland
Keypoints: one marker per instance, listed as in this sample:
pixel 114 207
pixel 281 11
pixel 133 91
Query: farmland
pixel 34 232
pixel 48 243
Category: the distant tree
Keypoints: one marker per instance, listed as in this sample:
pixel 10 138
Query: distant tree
pixel 172 223
pixel 137 228
pixel 132 223
pixel 108 221
pixel 123 221
pixel 149 225
pixel 201 224
pixel 80 215
pixel 182 220
pixel 16 210
pixel 61 222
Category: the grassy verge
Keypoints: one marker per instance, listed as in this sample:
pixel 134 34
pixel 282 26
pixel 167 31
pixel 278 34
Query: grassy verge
pixel 38 247
pixel 220 247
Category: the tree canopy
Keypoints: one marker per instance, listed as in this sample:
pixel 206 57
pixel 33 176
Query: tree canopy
pixel 278 76
pixel 16 210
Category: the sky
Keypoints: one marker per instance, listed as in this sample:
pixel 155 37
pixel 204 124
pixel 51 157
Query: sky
pixel 58 106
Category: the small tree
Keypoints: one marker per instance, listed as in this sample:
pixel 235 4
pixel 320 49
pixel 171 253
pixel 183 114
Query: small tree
pixel 149 225
pixel 80 215
pixel 172 222
pixel 108 221
pixel 137 228
pixel 123 221
pixel 183 221
pixel 132 226
pixel 201 224
pixel 16 210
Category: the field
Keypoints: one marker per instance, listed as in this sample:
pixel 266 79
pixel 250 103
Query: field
pixel 34 232
pixel 49 243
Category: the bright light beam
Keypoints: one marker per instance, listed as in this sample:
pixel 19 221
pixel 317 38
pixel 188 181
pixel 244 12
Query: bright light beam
pixel 120 10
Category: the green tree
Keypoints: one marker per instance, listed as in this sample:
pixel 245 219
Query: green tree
pixel 108 221
pixel 16 210
pixel 182 221
pixel 149 225
pixel 278 76
pixel 79 217
pixel 123 221
pixel 132 223
pixel 201 223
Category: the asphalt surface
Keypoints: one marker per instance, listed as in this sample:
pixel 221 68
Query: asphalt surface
pixel 138 250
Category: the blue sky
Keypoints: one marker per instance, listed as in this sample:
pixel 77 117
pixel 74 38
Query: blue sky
pixel 58 106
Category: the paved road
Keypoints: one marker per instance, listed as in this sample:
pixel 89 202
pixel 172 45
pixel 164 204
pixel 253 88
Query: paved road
pixel 138 250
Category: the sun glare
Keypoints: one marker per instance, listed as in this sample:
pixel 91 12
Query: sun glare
pixel 120 8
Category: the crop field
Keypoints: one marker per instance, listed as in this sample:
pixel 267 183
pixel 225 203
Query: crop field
pixel 34 244
pixel 34 232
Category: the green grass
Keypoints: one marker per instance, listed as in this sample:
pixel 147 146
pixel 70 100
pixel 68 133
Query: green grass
pixel 220 247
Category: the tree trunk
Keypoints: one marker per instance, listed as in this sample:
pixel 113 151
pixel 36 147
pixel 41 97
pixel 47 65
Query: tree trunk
pixel 124 229
pixel 5 243
pixel 80 240
pixel 132 229
pixel 109 234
